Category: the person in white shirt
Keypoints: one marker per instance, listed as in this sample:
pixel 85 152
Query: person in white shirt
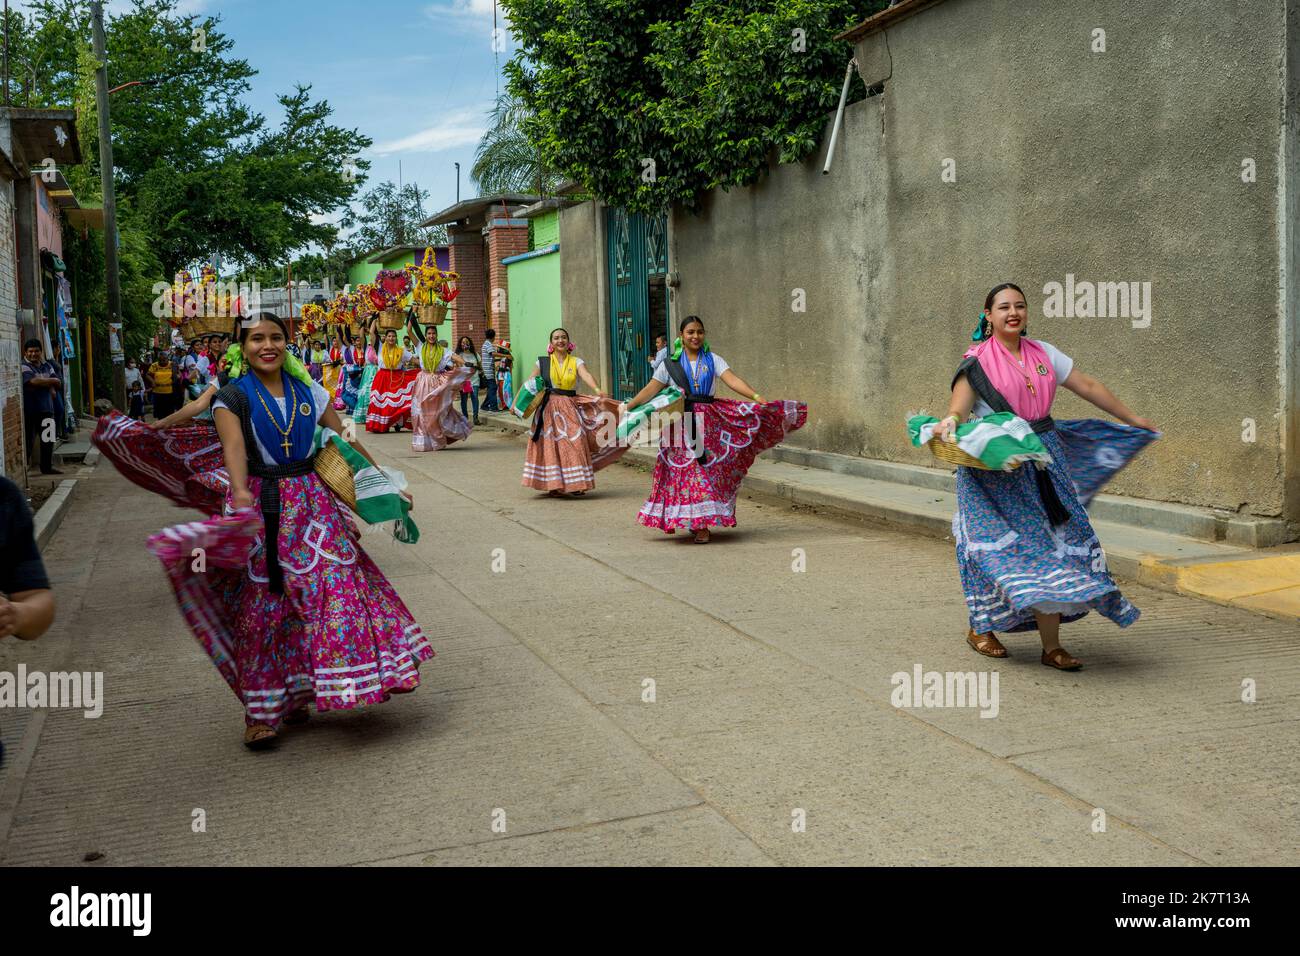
pixel 435 423
pixel 702 462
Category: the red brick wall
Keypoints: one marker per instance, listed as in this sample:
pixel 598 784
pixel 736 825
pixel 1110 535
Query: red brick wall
pixel 468 309
pixel 506 238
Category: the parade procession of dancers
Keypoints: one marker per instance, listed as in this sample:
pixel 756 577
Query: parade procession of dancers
pixel 295 615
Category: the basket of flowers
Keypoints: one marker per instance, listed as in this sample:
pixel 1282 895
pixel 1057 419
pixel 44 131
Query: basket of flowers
pixel 432 290
pixel 393 287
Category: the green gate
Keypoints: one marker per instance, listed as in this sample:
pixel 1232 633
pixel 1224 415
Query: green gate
pixel 637 250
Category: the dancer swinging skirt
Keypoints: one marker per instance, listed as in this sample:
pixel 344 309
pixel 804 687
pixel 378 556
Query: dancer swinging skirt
pixel 290 608
pixel 393 388
pixel 368 373
pixel 435 423
pixel 1026 551
pixel 571 438
pixel 701 465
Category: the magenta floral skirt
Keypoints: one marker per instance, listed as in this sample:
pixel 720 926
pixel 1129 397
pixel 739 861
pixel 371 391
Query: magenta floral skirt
pixel 689 493
pixel 338 637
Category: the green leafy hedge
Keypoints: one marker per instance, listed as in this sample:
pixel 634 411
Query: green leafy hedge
pixel 709 92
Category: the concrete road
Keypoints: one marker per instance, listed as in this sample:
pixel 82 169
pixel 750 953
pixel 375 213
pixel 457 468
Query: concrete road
pixel 606 694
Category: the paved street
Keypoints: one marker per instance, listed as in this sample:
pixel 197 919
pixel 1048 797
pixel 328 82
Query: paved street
pixel 771 704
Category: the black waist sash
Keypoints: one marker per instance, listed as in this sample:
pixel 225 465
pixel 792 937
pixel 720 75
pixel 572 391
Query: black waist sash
pixel 269 499
pixel 979 382
pixel 690 399
pixel 544 367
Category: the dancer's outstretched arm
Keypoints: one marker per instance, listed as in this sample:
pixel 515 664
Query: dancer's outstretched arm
pixel 737 385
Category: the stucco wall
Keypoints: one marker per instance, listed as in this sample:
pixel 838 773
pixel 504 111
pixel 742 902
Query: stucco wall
pixel 1116 166
pixel 581 297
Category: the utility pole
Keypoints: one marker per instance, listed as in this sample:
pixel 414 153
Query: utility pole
pixel 110 200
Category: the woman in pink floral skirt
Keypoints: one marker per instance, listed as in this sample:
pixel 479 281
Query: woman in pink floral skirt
pixel 701 464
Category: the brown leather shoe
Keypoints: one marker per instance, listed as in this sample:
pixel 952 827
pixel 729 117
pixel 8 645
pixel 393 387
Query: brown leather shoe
pixel 986 644
pixel 258 736
pixel 1061 660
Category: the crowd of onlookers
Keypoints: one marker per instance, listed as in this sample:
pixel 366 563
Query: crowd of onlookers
pixel 163 378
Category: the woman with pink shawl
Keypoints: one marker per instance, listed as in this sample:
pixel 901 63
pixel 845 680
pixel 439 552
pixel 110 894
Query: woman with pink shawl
pixel 1026 552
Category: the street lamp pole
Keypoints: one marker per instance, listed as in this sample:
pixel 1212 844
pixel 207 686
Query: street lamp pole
pixel 110 200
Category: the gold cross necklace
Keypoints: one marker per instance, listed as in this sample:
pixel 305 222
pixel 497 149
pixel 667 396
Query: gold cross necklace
pixel 293 414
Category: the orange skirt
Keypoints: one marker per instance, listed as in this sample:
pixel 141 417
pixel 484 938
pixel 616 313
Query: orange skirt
pixel 577 440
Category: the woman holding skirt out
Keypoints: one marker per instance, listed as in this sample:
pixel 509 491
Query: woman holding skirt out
pixel 368 372
pixel 701 465
pixel 435 423
pixel 393 388
pixel 290 608
pixel 566 447
pixel 1026 552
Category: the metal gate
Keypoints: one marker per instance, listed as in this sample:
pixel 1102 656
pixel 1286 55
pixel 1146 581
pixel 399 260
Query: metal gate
pixel 637 250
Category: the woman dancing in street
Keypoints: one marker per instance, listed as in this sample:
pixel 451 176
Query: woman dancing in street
pixel 393 388
pixel 290 608
pixel 1026 551
pixel 435 423
pixel 702 463
pixel 565 449
pixel 368 372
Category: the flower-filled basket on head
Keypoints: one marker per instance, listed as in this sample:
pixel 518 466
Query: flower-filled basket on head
pixel 208 309
pixel 392 287
pixel 431 289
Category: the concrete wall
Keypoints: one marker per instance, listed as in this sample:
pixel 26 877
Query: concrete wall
pixel 535 296
pixel 1116 166
pixel 584 302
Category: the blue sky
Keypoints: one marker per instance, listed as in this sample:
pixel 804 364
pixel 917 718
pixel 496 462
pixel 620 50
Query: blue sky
pixel 416 77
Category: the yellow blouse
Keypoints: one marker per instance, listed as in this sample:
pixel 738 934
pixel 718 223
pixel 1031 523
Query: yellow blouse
pixel 564 372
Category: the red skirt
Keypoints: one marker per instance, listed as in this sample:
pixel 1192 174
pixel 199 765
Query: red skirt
pixel 184 464
pixel 391 395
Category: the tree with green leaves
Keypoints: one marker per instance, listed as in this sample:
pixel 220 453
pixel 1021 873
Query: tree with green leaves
pixel 506 160
pixel 650 103
pixel 388 215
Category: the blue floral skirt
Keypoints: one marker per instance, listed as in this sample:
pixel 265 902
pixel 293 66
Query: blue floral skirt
pixel 1013 561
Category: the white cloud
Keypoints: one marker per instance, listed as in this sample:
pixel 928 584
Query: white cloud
pixel 463 127
pixel 469 13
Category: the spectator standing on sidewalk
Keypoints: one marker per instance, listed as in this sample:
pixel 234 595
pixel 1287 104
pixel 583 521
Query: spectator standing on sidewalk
pixel 134 390
pixel 42 404
pixel 488 355
pixel 469 391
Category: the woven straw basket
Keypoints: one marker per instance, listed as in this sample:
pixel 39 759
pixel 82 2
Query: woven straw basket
pixel 392 319
pixel 333 470
pixel 949 452
pixel 433 314
pixel 201 325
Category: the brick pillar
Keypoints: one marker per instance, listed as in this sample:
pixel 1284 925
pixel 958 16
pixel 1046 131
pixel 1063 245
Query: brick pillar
pixel 468 309
pixel 505 238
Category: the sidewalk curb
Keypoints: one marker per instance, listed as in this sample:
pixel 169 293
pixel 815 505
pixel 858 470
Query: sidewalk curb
pixel 1189 567
pixel 53 511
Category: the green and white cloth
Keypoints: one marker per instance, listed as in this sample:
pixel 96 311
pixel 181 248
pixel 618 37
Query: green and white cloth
pixel 639 416
pixel 1001 441
pixel 378 490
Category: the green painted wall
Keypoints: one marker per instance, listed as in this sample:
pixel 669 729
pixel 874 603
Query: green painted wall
pixel 362 271
pixel 546 229
pixel 533 299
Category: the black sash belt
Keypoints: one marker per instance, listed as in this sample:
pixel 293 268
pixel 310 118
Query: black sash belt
pixel 689 401
pixel 270 504
pixel 546 397
pixel 979 382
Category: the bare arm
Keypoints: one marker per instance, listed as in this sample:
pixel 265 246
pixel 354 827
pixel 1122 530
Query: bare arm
pixel 587 377
pixel 232 447
pixel 737 385
pixel 1091 390
pixel 652 388
pixel 27 615
pixel 959 407
pixel 189 411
